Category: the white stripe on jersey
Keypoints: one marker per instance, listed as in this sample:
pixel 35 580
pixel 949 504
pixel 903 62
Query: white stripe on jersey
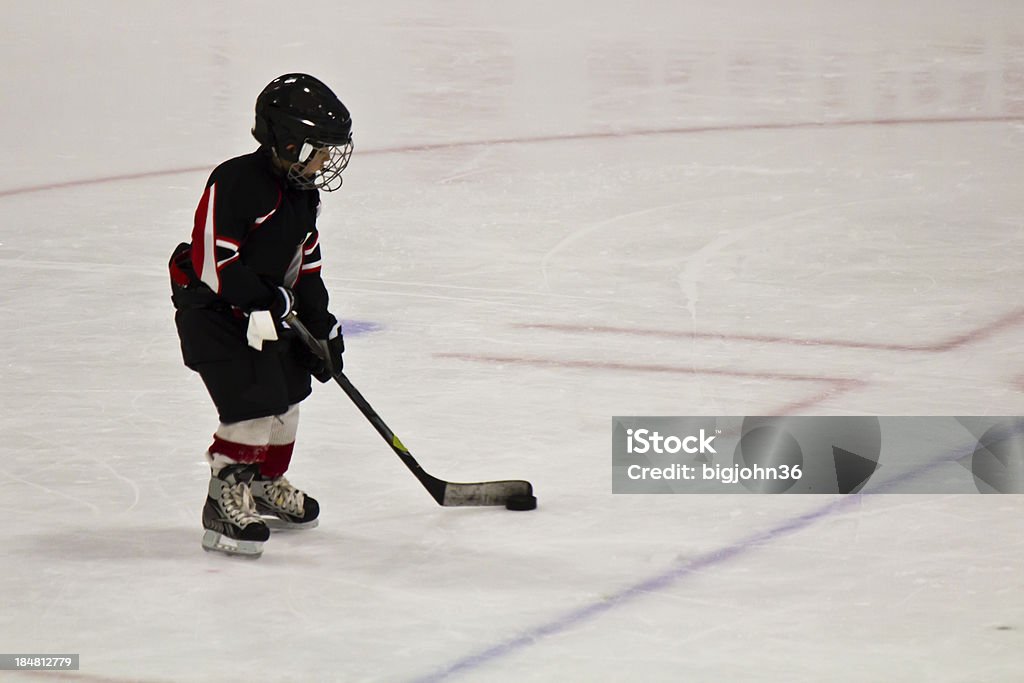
pixel 263 219
pixel 209 274
pixel 315 265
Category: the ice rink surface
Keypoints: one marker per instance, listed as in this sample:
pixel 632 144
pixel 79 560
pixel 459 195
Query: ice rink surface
pixel 557 212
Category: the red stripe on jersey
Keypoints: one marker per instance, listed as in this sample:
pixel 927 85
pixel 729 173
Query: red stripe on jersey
pixel 198 227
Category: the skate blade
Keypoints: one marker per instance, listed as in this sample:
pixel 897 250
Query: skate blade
pixel 220 543
pixel 278 523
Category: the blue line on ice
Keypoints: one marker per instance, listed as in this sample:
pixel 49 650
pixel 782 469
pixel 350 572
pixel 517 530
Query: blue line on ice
pixel 676 573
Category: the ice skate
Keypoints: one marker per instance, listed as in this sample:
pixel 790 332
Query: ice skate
pixel 232 524
pixel 284 505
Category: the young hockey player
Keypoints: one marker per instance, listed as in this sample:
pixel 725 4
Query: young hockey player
pixel 254 259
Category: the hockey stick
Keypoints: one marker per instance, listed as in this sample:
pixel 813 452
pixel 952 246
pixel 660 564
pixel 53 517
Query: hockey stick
pixel 446 493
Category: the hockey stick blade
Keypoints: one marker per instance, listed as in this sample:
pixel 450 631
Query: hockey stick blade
pixel 484 492
pixel 446 493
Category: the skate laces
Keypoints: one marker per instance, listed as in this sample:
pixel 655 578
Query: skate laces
pixel 283 495
pixel 238 504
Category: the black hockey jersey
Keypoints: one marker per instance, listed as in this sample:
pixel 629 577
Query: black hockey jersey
pixel 252 233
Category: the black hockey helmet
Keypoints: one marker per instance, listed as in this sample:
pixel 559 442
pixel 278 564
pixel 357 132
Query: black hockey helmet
pixel 301 120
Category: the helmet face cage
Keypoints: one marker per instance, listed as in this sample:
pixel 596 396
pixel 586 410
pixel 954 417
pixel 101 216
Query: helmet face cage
pixel 328 176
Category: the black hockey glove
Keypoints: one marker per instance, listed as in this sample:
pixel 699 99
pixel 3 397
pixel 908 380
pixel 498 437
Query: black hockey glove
pixel 334 347
pixel 283 305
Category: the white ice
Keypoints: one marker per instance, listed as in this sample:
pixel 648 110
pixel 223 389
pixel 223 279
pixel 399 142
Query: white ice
pixel 810 207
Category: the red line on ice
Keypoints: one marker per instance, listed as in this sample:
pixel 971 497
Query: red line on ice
pixel 1004 322
pixel 563 137
pixel 834 385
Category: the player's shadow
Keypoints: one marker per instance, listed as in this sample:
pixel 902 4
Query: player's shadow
pixel 112 543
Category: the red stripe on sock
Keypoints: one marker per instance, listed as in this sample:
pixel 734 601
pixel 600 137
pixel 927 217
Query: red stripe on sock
pixel 277 460
pixel 239 452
